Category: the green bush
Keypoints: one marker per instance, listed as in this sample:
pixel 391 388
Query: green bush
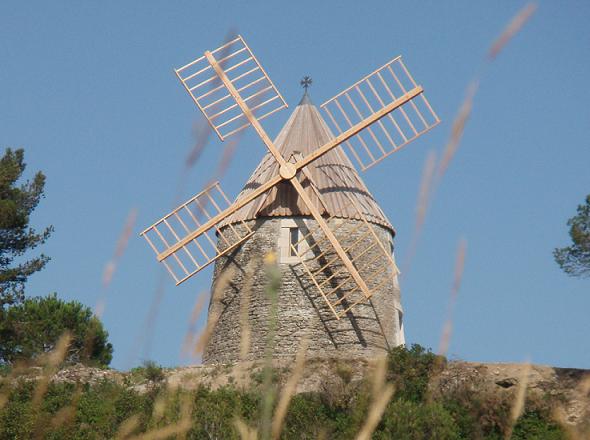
pixel 536 425
pixel 33 327
pixel 150 371
pixel 404 419
pixel 215 411
pixel 410 370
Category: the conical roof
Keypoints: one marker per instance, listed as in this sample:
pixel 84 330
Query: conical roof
pixel 333 175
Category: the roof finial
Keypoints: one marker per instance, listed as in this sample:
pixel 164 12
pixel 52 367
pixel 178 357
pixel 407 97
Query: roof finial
pixel 306 82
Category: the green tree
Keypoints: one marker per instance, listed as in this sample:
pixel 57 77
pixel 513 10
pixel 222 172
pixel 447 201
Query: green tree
pixel 34 326
pixel 16 236
pixel 575 259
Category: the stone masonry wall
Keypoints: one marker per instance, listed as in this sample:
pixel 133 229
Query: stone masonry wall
pixel 366 330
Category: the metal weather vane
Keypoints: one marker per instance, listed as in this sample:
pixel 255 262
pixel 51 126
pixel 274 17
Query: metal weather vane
pixel 374 118
pixel 306 82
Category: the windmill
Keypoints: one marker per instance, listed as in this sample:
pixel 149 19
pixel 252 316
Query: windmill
pixel 306 173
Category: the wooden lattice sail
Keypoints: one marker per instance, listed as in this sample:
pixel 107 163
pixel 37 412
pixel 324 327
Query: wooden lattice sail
pixel 235 62
pixel 371 95
pixel 182 255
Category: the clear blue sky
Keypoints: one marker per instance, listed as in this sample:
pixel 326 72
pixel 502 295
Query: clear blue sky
pixel 87 88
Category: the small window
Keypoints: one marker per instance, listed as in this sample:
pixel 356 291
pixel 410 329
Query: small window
pixel 288 243
pixel 401 336
pixel 293 242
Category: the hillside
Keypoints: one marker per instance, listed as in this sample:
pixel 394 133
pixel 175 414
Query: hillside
pixel 433 399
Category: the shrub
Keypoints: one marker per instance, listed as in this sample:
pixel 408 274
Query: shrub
pixel 215 412
pixel 409 420
pixel 150 370
pixel 536 425
pixel 410 370
pixel 32 328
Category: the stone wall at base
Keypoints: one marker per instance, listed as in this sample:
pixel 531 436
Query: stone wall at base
pixel 239 291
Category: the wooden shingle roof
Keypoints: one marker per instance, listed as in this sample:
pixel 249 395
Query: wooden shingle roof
pixel 333 174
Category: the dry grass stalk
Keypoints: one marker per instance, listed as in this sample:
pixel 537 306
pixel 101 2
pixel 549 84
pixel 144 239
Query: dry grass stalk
pixel 222 282
pixel 323 434
pixel 201 130
pixel 144 338
pixel 273 281
pixel 67 414
pixel 458 129
pixel 379 375
pixel 122 242
pixel 382 394
pixel 164 400
pixel 202 133
pixel 425 189
pixel 519 399
pixel 458 276
pixel 18 368
pixel 166 432
pixel 424 195
pixel 560 416
pixel 127 427
pixel 245 431
pixel 178 429
pixel 515 25
pixel 376 412
pixel 52 360
pixel 245 296
pixel 584 385
pixel 288 391
pixel 191 335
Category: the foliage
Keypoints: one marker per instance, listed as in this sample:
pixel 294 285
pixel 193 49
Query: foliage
pixel 575 259
pixel 477 414
pixel 17 202
pixel 102 410
pixel 33 327
pixel 150 371
pixel 413 421
pixel 215 411
pixel 410 370
pixel 533 425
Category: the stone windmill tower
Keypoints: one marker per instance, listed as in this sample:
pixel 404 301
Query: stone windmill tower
pixel 306 203
pixel 280 221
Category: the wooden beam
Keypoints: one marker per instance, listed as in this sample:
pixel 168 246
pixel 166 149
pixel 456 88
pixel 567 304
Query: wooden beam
pixel 326 230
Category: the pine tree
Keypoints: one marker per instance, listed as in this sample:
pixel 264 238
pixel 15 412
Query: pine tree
pixel 17 202
pixel 575 259
pixel 33 327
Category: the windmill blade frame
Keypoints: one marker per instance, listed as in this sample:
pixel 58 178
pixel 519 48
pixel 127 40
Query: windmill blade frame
pixel 183 257
pixel 201 78
pixel 371 94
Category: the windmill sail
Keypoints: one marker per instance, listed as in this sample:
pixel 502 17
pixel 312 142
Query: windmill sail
pixel 184 254
pixel 372 94
pixel 206 79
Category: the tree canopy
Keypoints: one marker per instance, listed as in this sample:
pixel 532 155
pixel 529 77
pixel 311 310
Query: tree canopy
pixel 575 259
pixel 16 236
pixel 33 327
